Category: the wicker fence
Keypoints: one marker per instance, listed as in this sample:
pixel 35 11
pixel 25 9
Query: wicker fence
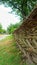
pixel 26 38
pixel 27 43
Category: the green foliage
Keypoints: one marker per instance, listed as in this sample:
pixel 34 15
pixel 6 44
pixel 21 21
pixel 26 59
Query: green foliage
pixel 21 6
pixel 12 27
pixel 1 29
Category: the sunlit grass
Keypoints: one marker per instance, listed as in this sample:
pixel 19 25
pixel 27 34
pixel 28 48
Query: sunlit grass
pixel 9 54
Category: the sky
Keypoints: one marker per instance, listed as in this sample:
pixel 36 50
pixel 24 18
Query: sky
pixel 6 18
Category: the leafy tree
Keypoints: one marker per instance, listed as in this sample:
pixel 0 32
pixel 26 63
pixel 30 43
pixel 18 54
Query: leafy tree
pixel 23 7
pixel 12 27
pixel 3 31
pixel 0 28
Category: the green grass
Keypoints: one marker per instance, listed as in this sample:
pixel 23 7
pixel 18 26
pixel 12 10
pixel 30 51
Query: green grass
pixel 9 54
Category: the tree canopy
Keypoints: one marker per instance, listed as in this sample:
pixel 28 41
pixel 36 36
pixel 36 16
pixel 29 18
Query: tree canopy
pixel 21 6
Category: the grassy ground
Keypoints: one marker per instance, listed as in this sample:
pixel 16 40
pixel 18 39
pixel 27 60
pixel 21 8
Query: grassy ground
pixel 9 53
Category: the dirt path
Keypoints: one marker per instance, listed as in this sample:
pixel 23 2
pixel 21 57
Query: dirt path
pixel 3 36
